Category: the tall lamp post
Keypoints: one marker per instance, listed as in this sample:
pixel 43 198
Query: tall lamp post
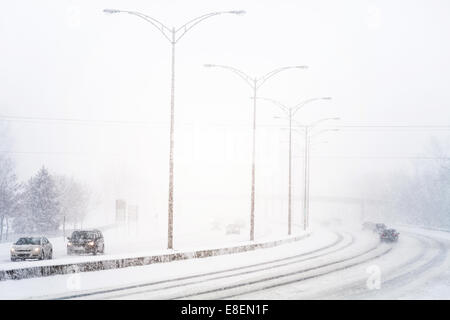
pixel 290 113
pixel 255 84
pixel 308 137
pixel 173 35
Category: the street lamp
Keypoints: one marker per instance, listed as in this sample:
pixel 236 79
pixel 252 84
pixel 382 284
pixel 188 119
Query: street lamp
pixel 173 36
pixel 308 128
pixel 255 84
pixel 290 112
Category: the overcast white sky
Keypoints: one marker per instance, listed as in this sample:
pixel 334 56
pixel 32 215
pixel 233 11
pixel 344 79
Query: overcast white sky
pixel 383 62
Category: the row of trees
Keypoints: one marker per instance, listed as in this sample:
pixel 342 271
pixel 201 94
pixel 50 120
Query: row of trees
pixel 41 204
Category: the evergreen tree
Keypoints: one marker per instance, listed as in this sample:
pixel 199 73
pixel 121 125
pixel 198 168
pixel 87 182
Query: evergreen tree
pixel 40 205
pixel 9 188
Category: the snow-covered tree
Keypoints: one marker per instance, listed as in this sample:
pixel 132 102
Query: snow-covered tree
pixel 9 188
pixel 74 199
pixel 40 206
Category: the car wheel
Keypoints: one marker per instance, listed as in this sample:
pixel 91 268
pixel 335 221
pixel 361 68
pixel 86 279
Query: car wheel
pixel 50 255
pixel 42 257
pixel 13 259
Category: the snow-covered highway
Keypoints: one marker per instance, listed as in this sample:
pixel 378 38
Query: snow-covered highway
pixel 330 264
pixel 121 244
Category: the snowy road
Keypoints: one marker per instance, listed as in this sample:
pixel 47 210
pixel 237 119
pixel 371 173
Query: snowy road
pixel 330 264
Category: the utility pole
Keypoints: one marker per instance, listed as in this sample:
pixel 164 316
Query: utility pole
pixel 172 133
pixel 290 113
pixel 173 36
pixel 252 200
pixel 64 228
pixel 290 175
pixel 255 84
pixel 306 174
pixel 308 137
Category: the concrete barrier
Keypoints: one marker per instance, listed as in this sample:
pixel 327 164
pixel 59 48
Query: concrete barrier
pixel 43 271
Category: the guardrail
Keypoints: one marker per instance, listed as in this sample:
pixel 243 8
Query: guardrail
pixel 58 269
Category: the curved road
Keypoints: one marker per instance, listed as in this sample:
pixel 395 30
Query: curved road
pixel 337 264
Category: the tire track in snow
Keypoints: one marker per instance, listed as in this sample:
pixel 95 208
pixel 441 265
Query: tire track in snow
pixel 406 278
pixel 398 281
pixel 352 240
pixel 338 240
pixel 358 287
pixel 288 282
pixel 437 259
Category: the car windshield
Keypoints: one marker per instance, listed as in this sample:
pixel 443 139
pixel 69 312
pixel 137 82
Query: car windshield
pixel 25 241
pixel 81 235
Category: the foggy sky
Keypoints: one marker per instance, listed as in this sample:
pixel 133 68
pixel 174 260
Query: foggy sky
pixel 383 62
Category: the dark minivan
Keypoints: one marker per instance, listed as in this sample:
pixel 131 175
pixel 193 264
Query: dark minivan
pixel 86 241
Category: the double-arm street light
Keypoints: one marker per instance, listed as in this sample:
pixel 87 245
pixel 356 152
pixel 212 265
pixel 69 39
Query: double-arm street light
pixel 308 137
pixel 255 84
pixel 290 113
pixel 173 35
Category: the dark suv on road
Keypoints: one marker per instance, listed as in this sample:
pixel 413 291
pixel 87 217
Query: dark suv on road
pixel 389 235
pixel 86 241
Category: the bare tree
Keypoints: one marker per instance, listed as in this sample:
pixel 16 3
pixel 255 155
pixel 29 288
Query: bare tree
pixel 74 199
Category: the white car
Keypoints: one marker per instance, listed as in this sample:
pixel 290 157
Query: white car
pixel 32 248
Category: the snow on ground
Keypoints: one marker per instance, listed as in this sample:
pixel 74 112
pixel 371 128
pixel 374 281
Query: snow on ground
pixel 247 285
pixel 436 286
pixel 124 243
pixel 417 267
pixel 27 288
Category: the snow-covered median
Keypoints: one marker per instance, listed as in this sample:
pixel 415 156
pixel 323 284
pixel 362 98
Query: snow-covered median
pixel 70 284
pixel 47 268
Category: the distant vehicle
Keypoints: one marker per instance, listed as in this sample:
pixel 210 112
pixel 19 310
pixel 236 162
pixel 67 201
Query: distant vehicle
pixel 215 224
pixel 86 241
pixel 375 227
pixel 32 248
pixel 368 225
pixel 380 227
pixel 233 228
pixel 389 235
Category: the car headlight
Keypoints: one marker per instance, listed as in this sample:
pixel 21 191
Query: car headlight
pixel 37 249
pixel 69 243
pixel 91 243
pixel 13 250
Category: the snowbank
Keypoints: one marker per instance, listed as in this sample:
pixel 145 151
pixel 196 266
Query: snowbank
pixel 102 263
